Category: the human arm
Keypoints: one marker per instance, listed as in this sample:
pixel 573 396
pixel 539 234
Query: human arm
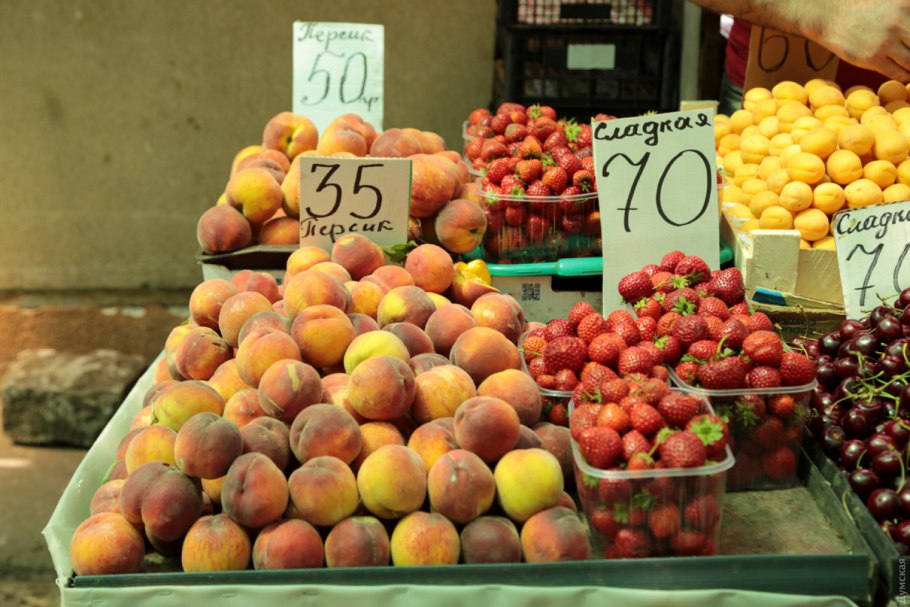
pixel 872 34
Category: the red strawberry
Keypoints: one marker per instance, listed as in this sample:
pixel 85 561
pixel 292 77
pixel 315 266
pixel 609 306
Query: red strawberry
pixel 647 328
pixel 556 139
pixel 715 327
pixel 498 169
pixel 566 380
pixel 691 543
pixel 529 170
pixel 702 512
pixel 585 136
pixel 515 132
pixel 670 347
pixel 740 308
pixel 474 148
pixel 678 408
pixel 684 300
pixel 600 445
pixel 514 216
pixel 657 355
pixel 723 374
pixel 567 160
pixel 604 522
pixel 631 543
pixel 664 282
pixel 538 189
pixel 634 359
pixel 593 374
pixel 764 348
pixel 538 229
pixel 702 350
pixel 669 261
pixel 537 111
pixel 614 416
pixel 558 414
pixel 583 417
pixel 530 148
pixel 579 311
pixel 759 321
pixel 779 464
pixel 605 349
pixel 583 179
pixel 543 127
pixel 769 433
pixel 683 449
pixel 663 520
pixel 782 405
pixel 648 308
pixel 634 286
pixel 712 306
pixel 694 268
pixel 749 410
pixel 614 490
pixel 651 391
pixel 796 369
pixel 614 390
pixel 557 327
pixel 665 323
pixel 634 442
pixel 533 346
pixel 646 419
pixel 690 329
pixel 591 326
pixel 713 432
pixel 628 331
pixel 735 333
pixel 728 286
pixel 499 122
pixel 687 371
pixel 651 269
pixel 763 377
pixel 640 461
pixel 618 316
pixel 492 148
pixel 537 367
pixel 547 381
pixel 556 179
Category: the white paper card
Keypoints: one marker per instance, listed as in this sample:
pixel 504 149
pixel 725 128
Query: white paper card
pixel 338 69
pixel 657 191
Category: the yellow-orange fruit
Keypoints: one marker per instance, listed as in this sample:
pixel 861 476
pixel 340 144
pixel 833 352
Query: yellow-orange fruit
pixel 891 146
pixel 826 95
pixel 761 201
pixel 806 167
pixel 812 224
pixel 775 218
pixel 844 167
pixel 820 142
pixel 829 198
pixel 857 138
pixel 796 196
pixel 897 192
pixel 860 100
pixel 882 172
pixel 863 192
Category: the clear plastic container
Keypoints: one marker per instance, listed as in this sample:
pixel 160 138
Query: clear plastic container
pixel 766 431
pixel 655 512
pixel 550 397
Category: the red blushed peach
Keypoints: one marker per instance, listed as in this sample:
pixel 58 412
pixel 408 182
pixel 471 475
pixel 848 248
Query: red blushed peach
pixel 371 344
pixel 335 270
pixel 358 541
pixel 460 225
pixel 125 441
pixel 215 543
pixel 249 150
pixel 290 187
pixel 150 444
pixel 161 371
pixel 382 388
pixel 255 193
pixel 375 435
pixel 107 497
pixel 439 391
pixel 500 312
pixel 395 143
pixel 490 539
pixel 221 229
pixel 259 161
pixel 324 429
pixel 311 287
pixel 255 491
pixel 322 333
pixel 259 352
pixel 446 324
pixel 243 407
pixel 470 191
pixel 288 387
pixel 305 257
pixel 264 322
pixel 438 300
pixel 348 133
pixel 558 441
pixel 555 534
pixel 365 296
pixel 270 437
pixel 431 266
pixel 405 304
pixel 206 446
pixel 460 486
pixel 392 276
pixel 413 337
pixel 425 538
pixel 527 439
pixel 106 543
pixel 226 381
pixel 206 301
pixel 200 352
pixel 211 487
pixel 527 481
pixel 290 544
pixel 117 471
pixel 335 392
pixel 432 185
pixel 464 173
pixel 290 133
pixel 162 498
pixel 144 417
pixel 431 440
pixel 518 389
pixel 259 282
pixel 488 426
pixel 566 501
pixel 431 142
pixel 426 361
pixel 324 491
pixel 358 254
pixel 236 310
pixel 362 323
pixel 174 406
pixel 482 351
pixel 392 482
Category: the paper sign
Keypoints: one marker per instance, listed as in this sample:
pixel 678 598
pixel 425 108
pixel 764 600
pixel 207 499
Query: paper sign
pixel 370 196
pixel 657 190
pixel 775 56
pixel 872 254
pixel 338 69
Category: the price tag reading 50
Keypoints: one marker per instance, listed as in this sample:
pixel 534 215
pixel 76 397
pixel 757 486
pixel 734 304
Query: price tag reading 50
pixel 657 190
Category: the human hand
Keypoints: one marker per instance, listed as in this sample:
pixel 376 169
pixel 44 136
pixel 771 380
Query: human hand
pixel 872 34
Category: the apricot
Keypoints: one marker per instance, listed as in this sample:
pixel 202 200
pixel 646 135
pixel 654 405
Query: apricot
pixel 897 192
pixel 775 218
pixel 777 179
pixel 740 119
pixel 789 112
pixel 729 143
pixel 732 160
pixel 828 198
pixel 820 141
pixel 805 167
pixel 891 146
pixel 768 165
pixel 862 192
pixel 812 224
pixel 796 196
pixel 778 143
pixel 826 95
pixel 762 201
pixel 856 138
pixel 744 173
pixel 844 166
pixel 860 100
pixel 106 543
pixel 882 172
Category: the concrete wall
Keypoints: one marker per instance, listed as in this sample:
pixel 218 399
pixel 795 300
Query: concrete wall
pixel 119 118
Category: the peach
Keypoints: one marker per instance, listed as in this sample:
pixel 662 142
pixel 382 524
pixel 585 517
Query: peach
pixel 347 133
pixel 371 344
pixel 150 444
pixel 211 488
pixel 144 417
pixel 283 231
pixel 106 543
pixel 566 501
pixel 527 481
pixel 392 482
pixel 161 372
pixel 431 266
pixel 425 538
pixel 221 229
pixel 270 437
pixel 358 541
pixel 365 296
pixel 107 497
pixel 426 361
pixel 432 143
pixel 413 337
pixel 432 185
pixel 335 270
pixel 311 287
pixel 324 429
pixel 501 312
pixel 324 491
pixel 446 324
pixel 322 333
pixel 382 388
pixel 117 471
pixel 259 352
pixel 465 290
pixel 243 407
pixel 363 323
pixel 255 491
pixel 335 391
pixel 290 544
pixel 357 254
pixel 486 425
pixel 250 150
pixel 405 304
pixel 470 191
pixel 528 439
pixel 391 276
pixel 460 486
pixel 558 441
pixel 482 351
pixel 174 406
pixel 555 534
pixel 263 322
pixel 162 498
pixel 490 539
pixel 432 439
pixel 255 193
pixel 290 187
pixel 395 143
pixel 518 389
pixel 237 309
pixel 460 225
pixel 215 543
pixel 290 134
pixel 126 440
pixel 438 300
pixel 206 301
pixel 206 446
pixel 225 380
pixel 288 387
pixel 305 257
pixel 439 391
pixel 200 353
pixel 375 435
pixel 276 168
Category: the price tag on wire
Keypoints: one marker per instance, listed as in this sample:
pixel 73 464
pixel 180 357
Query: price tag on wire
pixel 775 56
pixel 873 244
pixel 657 191
pixel 338 69
pixel 366 195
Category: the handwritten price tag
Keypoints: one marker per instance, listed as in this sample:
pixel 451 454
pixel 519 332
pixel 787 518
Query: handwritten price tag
pixel 342 195
pixel 338 69
pixel 775 56
pixel 657 189
pixel 872 253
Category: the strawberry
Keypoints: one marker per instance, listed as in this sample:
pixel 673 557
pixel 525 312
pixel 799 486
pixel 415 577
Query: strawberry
pixel 594 374
pixel 583 417
pixel 634 442
pixel 683 449
pixel 614 390
pixel 734 333
pixel 604 522
pixel 651 391
pixel 614 416
pixel 665 323
pixel 648 308
pixel 712 306
pixel 634 286
pixel 538 189
pixel 557 327
pixel 764 348
pixel 515 132
pixel 646 419
pixel 543 127
pixel 715 327
pixel 694 269
pixel 556 139
pixel 749 410
pixel 634 359
pixel 579 311
pixel 688 542
pixel 536 111
pixel 615 490
pixel 702 512
pixel 571 224
pixel 628 331
pixel 547 381
pixel 782 405
pixel 759 321
pixel 582 396
pixel 651 269
pixel 670 348
pixel 656 354
pixel 663 520
pixel 647 328
pixel 529 171
pixel 763 377
pixel 499 122
pixel 728 286
pixel 684 300
pixel 605 348
pixel 740 308
pixel 538 229
pixel 583 179
pixel 477 115
pixel 533 346
pixel 556 179
pixel 723 374
pixel 600 445
pixel 566 380
pixel 567 160
pixel 796 369
pixel 678 408
pixel 585 136
pixel 703 350
pixel 537 367
pixel 492 149
pixel 558 414
pixel 474 148
pixel 690 329
pixel 665 282
pixel 769 433
pixel 514 216
pixel 530 148
pixel 779 464
pixel 670 260
pixel 631 542
pixel 640 461
pixel 712 431
pixel 498 169
pixel 618 316
pixel 591 326
pixel 687 371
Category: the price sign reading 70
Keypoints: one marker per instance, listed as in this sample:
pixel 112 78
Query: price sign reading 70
pixel 657 191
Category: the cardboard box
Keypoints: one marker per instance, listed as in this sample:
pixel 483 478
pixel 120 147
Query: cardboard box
pixel 801 321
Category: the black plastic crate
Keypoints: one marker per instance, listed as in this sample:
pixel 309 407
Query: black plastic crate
pixel 621 13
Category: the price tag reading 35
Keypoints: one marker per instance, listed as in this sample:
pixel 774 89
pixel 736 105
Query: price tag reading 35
pixel 338 69
pixel 370 196
pixel 873 254
pixel 657 190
